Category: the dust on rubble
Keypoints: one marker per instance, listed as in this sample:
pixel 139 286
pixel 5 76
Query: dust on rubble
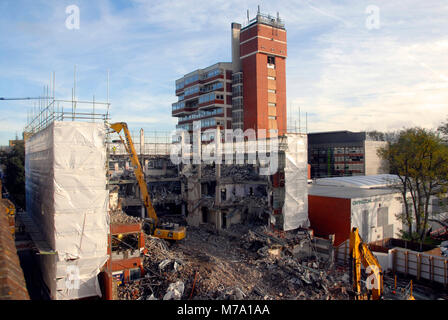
pixel 233 264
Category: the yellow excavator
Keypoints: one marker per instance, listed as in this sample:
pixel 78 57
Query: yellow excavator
pixel 168 231
pixel 361 254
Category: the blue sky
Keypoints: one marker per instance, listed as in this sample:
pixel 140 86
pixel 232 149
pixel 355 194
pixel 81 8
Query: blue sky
pixel 343 74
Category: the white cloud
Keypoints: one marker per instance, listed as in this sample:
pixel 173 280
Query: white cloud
pixel 343 75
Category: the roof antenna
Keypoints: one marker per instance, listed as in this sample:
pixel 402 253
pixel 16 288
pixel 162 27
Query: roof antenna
pixel 247 15
pixel 258 12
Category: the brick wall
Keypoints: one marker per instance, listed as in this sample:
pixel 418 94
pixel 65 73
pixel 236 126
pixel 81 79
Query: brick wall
pixel 12 281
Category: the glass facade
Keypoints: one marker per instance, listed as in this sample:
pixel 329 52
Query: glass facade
pixel 333 161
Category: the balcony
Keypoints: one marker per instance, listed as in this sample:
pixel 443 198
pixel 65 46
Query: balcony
pixel 180 108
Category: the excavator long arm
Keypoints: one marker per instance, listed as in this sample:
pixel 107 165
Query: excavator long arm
pixel 129 145
pixel 361 254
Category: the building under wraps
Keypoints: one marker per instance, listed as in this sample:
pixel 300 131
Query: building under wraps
pixel 67 201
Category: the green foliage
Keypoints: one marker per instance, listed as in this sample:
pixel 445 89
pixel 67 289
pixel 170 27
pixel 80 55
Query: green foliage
pixel 14 180
pixel 443 130
pixel 420 158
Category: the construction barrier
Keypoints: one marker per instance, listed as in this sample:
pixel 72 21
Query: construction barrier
pixel 420 265
pixel 399 260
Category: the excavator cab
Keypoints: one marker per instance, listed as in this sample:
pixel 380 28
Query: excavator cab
pixel 152 224
pixel 168 231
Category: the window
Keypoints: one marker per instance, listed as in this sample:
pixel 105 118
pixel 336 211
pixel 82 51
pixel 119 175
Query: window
pixel 178 105
pixel 237 103
pixel 192 79
pixel 271 62
pixel 207 98
pixel 179 85
pixel 271 104
pixel 237 78
pixel 271 78
pixel 237 91
pixel 208 122
pixel 212 73
pixel 134 274
pixel 272 91
pixel 212 87
pixel 272 118
pixel 191 90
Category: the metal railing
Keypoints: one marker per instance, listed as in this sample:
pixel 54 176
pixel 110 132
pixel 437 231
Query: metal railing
pixel 65 110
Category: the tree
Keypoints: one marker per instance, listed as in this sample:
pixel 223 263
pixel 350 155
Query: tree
pixel 390 136
pixel 14 161
pixel 443 130
pixel 420 159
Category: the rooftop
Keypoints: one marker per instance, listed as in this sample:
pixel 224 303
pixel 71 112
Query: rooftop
pixel 346 192
pixel 363 182
pixel 265 19
pixel 353 187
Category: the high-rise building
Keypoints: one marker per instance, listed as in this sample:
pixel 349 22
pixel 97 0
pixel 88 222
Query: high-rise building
pixel 259 78
pixel 249 92
pixel 205 95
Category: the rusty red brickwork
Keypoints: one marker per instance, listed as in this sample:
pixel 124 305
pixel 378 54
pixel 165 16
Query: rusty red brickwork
pixel 12 281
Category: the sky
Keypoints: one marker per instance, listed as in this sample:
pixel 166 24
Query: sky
pixel 352 65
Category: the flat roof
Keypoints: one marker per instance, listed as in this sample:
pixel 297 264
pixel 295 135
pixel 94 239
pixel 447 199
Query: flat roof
pixel 347 192
pixel 363 182
pixel 226 65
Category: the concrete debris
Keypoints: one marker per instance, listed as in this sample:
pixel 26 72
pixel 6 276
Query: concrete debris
pixel 245 172
pixel 119 217
pixel 174 265
pixel 175 291
pixel 241 262
pixel 444 248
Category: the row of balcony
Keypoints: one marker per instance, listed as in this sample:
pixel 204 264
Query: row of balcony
pixel 205 123
pixel 198 77
pixel 202 114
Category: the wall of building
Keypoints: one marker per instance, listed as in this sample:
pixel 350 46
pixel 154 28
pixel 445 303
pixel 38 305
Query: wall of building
pixel 295 208
pixel 373 163
pixel 257 43
pixel 330 216
pixel 376 217
pixel 67 199
pixel 12 281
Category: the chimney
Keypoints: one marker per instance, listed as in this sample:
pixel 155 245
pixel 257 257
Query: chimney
pixel 236 61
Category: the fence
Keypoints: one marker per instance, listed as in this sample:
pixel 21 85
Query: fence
pixel 420 265
pixel 342 253
pixel 400 260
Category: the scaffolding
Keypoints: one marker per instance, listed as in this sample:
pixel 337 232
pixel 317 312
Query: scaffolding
pixel 49 110
pixel 155 143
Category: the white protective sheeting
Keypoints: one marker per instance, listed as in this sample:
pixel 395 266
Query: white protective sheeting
pixel 67 198
pixel 295 208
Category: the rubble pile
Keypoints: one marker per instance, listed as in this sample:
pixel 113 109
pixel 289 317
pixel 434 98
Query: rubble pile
pixel 164 191
pixel 119 217
pixel 244 172
pixel 208 172
pixel 232 264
